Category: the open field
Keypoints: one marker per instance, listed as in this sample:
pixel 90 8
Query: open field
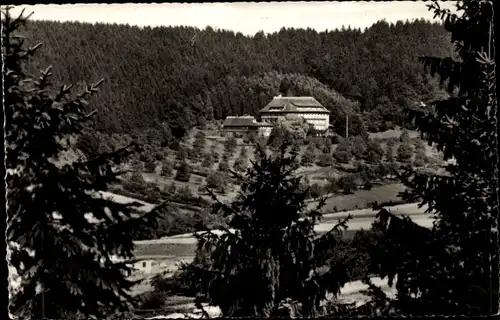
pixel 361 199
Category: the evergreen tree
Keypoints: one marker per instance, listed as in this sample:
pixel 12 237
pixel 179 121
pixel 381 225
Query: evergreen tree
pixel 272 258
pixel 452 268
pixel 64 260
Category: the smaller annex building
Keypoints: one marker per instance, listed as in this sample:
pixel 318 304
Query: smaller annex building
pixel 246 124
pixel 307 108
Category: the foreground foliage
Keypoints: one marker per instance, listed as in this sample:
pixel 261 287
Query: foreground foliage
pixel 65 242
pixel 272 251
pixel 453 268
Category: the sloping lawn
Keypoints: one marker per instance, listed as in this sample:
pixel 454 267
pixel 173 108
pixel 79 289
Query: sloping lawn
pixel 361 199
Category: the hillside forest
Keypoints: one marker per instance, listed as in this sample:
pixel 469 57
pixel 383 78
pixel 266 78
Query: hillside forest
pixel 180 77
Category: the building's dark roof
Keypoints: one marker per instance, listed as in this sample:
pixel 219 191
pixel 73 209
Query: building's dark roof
pixel 244 121
pixel 294 105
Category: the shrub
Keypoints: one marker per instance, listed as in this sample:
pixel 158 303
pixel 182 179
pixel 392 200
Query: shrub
pixel 208 160
pixel 390 153
pixel 175 146
pixel 88 143
pixel 192 154
pixel 359 147
pixel 327 145
pixel 104 147
pixel 181 155
pixel 308 158
pixel 332 185
pixel 216 181
pixel 198 180
pixel 420 145
pixel 135 183
pixel 240 165
pixel 199 142
pixel 309 155
pixel 420 158
pixel 158 156
pixel 342 156
pixel 325 160
pixel 382 170
pixel 419 162
pixel 243 153
pixel 152 300
pixel 405 136
pixel 223 166
pixel 185 193
pixel 167 168
pixel 405 152
pixel 150 166
pixel 250 137
pixel 393 167
pixel 316 191
pixel 183 172
pixel 348 183
pixel 375 152
pixel 226 156
pixel 137 165
pixel 171 188
pixel 230 145
pixel 391 142
pixel 214 153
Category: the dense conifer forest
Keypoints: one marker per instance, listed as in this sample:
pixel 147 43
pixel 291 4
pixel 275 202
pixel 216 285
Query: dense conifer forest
pixel 162 81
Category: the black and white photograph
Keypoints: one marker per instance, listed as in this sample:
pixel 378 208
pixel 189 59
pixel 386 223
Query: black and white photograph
pixel 250 159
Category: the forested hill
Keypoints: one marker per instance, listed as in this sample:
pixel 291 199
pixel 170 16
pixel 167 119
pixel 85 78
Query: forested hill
pixel 183 76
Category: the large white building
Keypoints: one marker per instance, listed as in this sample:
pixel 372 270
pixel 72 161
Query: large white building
pixel 306 107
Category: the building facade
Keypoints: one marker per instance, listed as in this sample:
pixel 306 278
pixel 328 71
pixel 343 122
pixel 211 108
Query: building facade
pixel 281 108
pixel 307 108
